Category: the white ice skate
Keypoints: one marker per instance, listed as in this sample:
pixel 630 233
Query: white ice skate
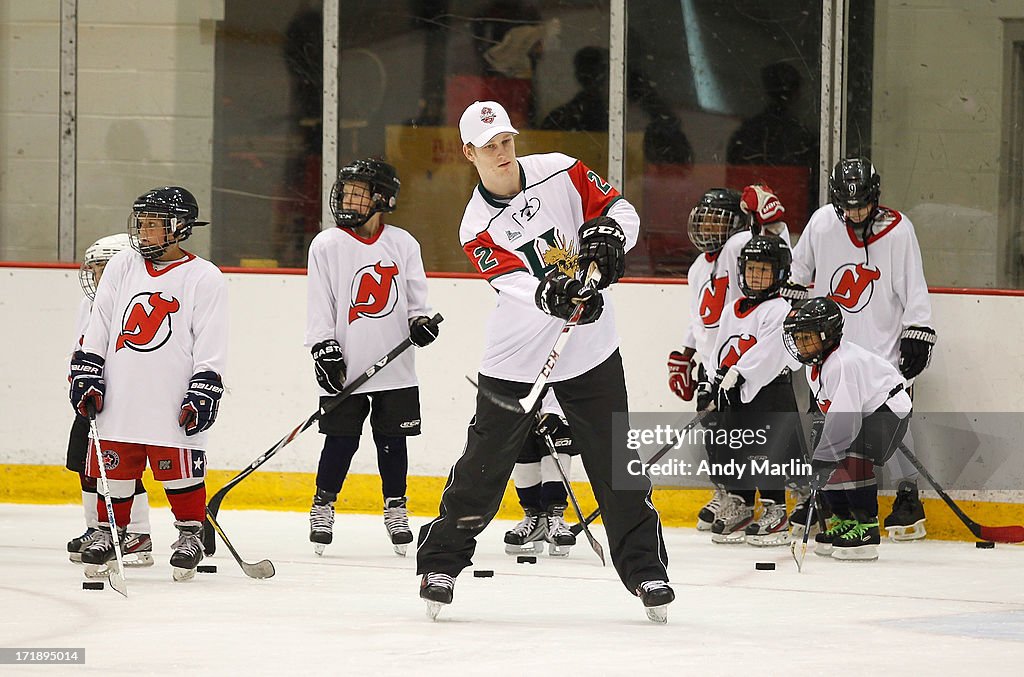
pixel 771 528
pixel 559 536
pixel 730 525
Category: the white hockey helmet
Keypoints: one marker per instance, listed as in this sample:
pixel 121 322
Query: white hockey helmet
pixel 98 253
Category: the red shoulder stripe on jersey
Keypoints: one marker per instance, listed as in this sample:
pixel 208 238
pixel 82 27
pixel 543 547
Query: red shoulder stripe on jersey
pixel 596 194
pixel 897 217
pixel 489 258
pixel 151 269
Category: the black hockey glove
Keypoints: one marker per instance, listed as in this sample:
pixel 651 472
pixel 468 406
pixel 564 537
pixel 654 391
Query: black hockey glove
pixel 558 294
pixel 821 471
pixel 603 242
pixel 728 382
pixel 329 366
pixel 793 292
pixel 422 331
pixel 87 381
pixel 201 402
pixel 915 350
pixel 705 395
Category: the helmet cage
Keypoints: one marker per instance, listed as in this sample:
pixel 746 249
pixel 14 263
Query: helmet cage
pixel 761 249
pixel 96 257
pixel 374 187
pixel 710 227
pixel 819 316
pixel 174 231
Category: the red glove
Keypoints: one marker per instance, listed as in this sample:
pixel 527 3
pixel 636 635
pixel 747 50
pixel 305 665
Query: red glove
pixel 682 374
pixel 762 202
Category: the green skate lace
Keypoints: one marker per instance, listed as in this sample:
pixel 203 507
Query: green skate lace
pixel 857 529
pixel 838 525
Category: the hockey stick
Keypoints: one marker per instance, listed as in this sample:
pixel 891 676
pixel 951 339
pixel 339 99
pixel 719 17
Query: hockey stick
pixel 527 403
pixel 1007 534
pixel 262 569
pixel 594 545
pixel 213 506
pixel 115 575
pixel 658 455
pixel 812 505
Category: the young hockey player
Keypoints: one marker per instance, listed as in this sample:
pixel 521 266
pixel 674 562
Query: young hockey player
pixel 719 226
pixel 539 486
pixel 866 258
pixel 753 392
pixel 137 546
pixel 367 292
pixel 867 410
pixel 158 336
pixel 534 227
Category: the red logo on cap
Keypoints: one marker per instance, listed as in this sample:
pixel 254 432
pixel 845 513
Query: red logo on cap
pixel 487 115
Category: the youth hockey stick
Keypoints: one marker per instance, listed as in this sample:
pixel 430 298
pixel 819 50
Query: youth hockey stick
pixel 1007 534
pixel 213 505
pixel 115 575
pixel 526 404
pixel 812 507
pixel 658 455
pixel 594 545
pixel 262 569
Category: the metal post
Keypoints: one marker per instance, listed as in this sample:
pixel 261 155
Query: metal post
pixel 68 130
pixel 617 95
pixel 329 150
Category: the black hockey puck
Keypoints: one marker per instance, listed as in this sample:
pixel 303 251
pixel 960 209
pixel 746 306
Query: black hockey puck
pixel 483 573
pixel 92 585
pixel 765 566
pixel 526 559
pixel 985 545
pixel 207 568
pixel 470 522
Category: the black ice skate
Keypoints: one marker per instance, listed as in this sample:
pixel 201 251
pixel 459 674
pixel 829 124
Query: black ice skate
pixel 527 537
pixel 437 590
pixel 321 520
pixel 706 516
pixel 559 536
pixel 732 521
pixel 100 557
pixel 771 528
pixel 835 527
pixel 136 552
pixel 396 521
pixel 906 522
pixel 78 544
pixel 860 542
pixel 188 550
pixel 656 596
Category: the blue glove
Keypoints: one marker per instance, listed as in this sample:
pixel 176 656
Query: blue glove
pixel 201 402
pixel 87 382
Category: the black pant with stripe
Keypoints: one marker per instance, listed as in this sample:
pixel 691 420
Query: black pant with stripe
pixel 478 479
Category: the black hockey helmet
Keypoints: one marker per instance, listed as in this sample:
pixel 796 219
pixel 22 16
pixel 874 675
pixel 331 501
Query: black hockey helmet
pixel 176 206
pixel 770 249
pixel 715 219
pixel 382 181
pixel 820 315
pixel 854 183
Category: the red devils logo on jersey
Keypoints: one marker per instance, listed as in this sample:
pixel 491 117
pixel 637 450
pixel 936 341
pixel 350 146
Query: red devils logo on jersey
pixel 374 291
pixel 734 347
pixel 146 324
pixel 824 405
pixel 852 286
pixel 712 301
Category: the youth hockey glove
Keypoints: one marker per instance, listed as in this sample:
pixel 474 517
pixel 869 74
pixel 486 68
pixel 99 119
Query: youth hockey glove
pixel 727 386
pixel 329 366
pixel 916 350
pixel 793 292
pixel 602 241
pixel 705 395
pixel 201 402
pixel 87 381
pixel 422 331
pixel 558 294
pixel 682 373
pixel 762 204
pixel 821 471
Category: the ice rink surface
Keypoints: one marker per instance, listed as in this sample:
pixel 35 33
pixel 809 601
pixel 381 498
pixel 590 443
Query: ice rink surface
pixel 935 607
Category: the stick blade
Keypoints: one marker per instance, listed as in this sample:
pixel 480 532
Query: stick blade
pixel 260 570
pixel 115 577
pixel 1011 534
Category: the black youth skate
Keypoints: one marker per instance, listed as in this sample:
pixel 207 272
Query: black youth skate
pixel 906 522
pixel 188 550
pixel 656 596
pixel 396 521
pixel 437 590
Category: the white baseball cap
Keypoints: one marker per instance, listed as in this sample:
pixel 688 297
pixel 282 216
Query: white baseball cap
pixel 484 120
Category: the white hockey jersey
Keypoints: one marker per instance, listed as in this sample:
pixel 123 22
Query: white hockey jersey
pixel 852 380
pixel 362 293
pixel 709 287
pixel 156 325
pixel 879 284
pixel 515 242
pixel 81 323
pixel 752 342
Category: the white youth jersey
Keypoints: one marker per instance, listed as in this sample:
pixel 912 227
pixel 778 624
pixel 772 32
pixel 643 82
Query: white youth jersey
pixel 880 286
pixel 752 342
pixel 81 323
pixel 709 285
pixel 362 293
pixel 852 380
pixel 515 242
pixel 156 326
